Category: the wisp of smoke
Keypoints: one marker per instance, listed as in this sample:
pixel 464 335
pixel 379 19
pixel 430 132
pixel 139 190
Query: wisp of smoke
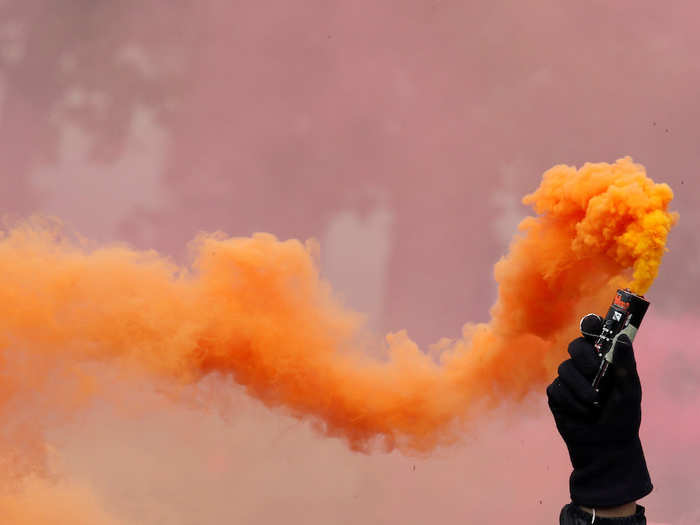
pixel 256 309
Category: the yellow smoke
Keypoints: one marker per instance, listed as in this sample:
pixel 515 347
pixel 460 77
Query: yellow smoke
pixel 615 209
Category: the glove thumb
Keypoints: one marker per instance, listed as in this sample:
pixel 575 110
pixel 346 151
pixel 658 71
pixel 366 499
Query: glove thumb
pixel 591 326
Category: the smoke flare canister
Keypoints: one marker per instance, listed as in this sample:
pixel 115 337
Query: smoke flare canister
pixel 624 317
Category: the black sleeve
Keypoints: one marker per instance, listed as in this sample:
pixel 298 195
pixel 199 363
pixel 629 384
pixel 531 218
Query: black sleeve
pixel 573 515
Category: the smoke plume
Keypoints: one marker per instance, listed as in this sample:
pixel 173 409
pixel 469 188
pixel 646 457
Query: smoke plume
pixel 256 309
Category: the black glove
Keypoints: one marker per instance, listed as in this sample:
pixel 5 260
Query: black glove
pixel 603 442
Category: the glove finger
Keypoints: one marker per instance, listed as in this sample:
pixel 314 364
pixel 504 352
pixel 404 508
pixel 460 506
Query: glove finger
pixel 591 327
pixel 577 382
pixel 584 356
pixel 562 400
pixel 624 362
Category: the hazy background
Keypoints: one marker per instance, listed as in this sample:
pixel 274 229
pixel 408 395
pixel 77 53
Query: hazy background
pixel 402 135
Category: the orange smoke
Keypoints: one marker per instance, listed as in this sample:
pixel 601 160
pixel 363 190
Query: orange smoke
pixel 256 308
pixel 40 502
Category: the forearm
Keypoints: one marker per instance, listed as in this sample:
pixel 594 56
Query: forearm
pixel 628 514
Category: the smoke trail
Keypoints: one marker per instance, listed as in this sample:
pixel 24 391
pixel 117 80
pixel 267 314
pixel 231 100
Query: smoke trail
pixel 41 502
pixel 255 308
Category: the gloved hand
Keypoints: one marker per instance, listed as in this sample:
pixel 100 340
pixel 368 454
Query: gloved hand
pixel 603 442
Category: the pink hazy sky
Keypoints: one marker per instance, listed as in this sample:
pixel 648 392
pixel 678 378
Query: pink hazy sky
pixel 401 135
